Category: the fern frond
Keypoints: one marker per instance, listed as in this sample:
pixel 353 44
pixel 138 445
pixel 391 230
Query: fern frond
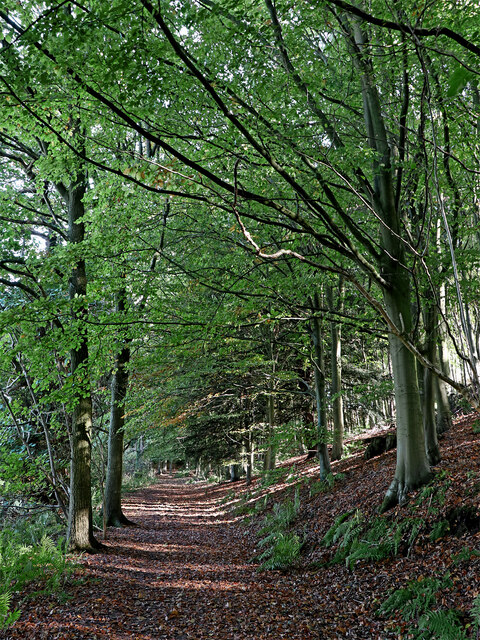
pixel 441 625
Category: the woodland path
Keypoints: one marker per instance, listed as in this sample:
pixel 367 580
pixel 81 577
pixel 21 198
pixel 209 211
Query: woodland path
pixel 185 572
pixel 182 574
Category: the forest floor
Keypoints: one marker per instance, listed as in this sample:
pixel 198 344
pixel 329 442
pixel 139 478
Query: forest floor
pixel 186 571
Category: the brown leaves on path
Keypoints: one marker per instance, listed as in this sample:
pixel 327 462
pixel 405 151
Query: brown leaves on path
pixel 183 573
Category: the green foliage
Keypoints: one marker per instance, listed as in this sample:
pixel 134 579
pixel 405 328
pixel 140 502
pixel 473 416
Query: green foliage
pixel 283 514
pixel 465 555
pixel 28 556
pixel 273 477
pixel 282 547
pixel 416 598
pixel 341 527
pixel 21 564
pixel 228 497
pixel 459 80
pixel 352 447
pixel 7 617
pixel 383 536
pixel 248 506
pixel 439 529
pixel 359 539
pixel 138 479
pixel 185 473
pixel 244 507
pixel 323 486
pixel 443 624
pixel 475 613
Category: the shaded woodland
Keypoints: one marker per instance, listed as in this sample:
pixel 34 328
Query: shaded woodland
pixel 233 234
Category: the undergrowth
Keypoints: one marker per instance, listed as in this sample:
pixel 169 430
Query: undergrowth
pixel 358 538
pixel 281 547
pixel 31 553
pixel 418 604
pixel 138 480
pixel 323 486
pixel 273 476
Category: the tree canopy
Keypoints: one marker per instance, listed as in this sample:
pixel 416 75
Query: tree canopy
pixel 195 197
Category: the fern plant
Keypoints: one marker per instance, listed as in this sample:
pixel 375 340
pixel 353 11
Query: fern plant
pixel 282 550
pixel 416 599
pixel 323 486
pixel 465 555
pixel 475 613
pixel 360 539
pixel 440 625
pixel 282 516
pixel 7 617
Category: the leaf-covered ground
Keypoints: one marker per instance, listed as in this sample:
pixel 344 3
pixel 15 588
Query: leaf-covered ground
pixel 185 572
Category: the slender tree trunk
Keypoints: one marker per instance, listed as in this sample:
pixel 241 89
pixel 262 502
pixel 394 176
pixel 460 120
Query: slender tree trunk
pixel 80 523
pixel 234 472
pixel 113 485
pixel 249 457
pixel 431 441
pixel 320 395
pixel 336 336
pixel 444 413
pixel 270 454
pixel 269 459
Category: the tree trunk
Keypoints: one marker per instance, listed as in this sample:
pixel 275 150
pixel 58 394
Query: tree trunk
pixel 269 459
pixel 80 524
pixel 430 319
pixel 320 396
pixel 444 413
pixel 234 472
pixel 249 457
pixel 113 485
pixel 336 336
pixel 412 468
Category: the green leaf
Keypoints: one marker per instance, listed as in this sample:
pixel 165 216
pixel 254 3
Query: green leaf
pixel 458 81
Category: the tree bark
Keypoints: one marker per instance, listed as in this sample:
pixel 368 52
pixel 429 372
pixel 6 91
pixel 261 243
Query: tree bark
pixel 412 469
pixel 430 316
pixel 80 523
pixel 444 413
pixel 336 337
pixel 320 395
pixel 113 485
pixel 269 459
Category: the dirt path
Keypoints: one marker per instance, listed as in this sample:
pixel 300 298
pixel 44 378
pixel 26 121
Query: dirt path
pixel 182 574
